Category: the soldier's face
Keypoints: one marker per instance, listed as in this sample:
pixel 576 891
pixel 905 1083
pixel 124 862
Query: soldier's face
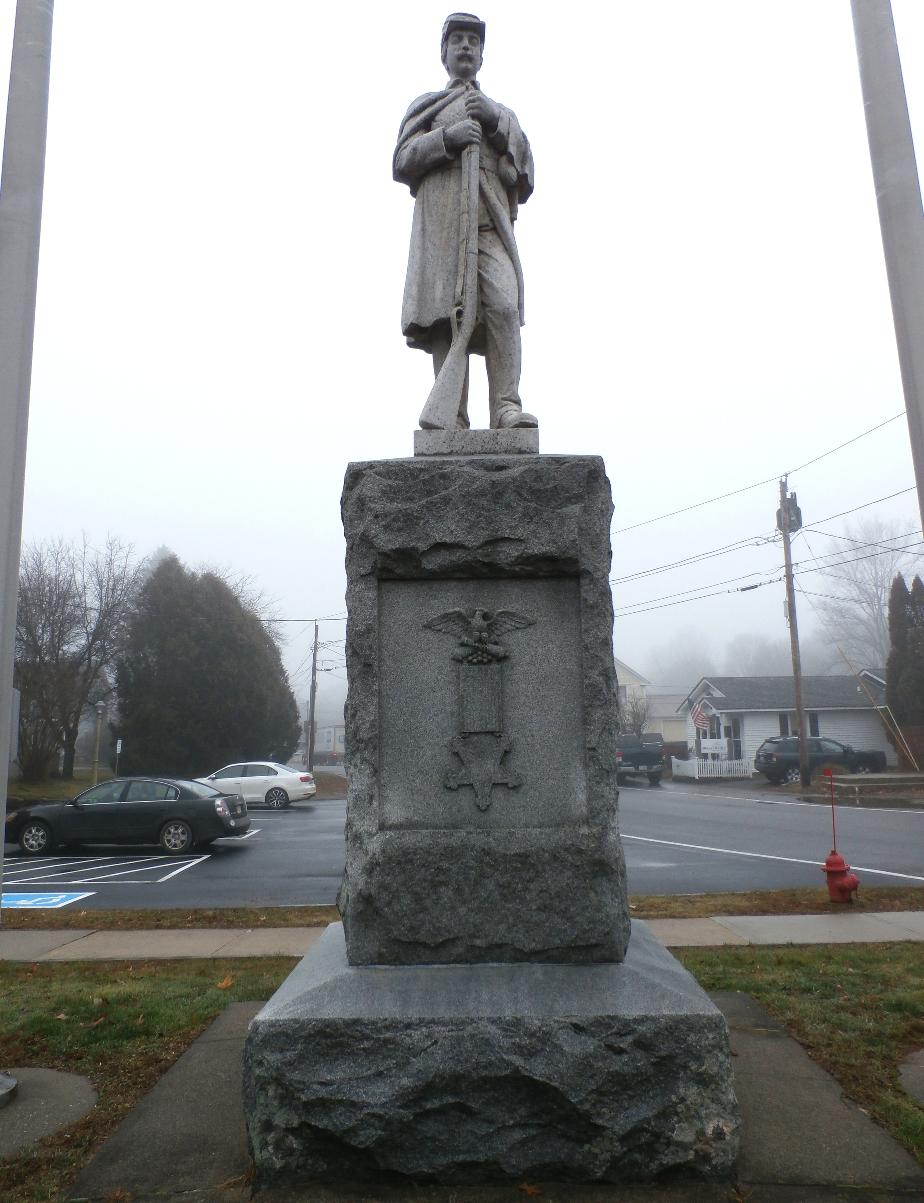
pixel 463 54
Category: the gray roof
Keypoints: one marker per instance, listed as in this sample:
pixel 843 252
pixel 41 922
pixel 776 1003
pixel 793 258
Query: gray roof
pixel 778 693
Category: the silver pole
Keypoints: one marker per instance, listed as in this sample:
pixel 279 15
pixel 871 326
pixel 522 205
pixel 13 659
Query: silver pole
pixel 898 194
pixel 21 181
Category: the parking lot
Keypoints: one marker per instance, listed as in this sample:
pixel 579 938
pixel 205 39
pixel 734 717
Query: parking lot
pixel 678 839
pixel 289 857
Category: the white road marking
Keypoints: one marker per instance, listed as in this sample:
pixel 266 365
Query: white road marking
pixel 31 866
pixel 792 860
pixel 183 868
pixel 702 793
pixel 89 865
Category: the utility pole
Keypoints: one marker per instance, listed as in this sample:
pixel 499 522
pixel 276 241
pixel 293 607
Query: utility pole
pixel 21 185
pixel 100 711
pixel 898 195
pixel 788 520
pixel 311 698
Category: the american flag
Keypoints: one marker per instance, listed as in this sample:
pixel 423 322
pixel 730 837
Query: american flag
pixel 699 717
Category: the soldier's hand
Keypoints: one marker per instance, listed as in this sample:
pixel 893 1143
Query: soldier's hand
pixel 482 108
pixel 462 134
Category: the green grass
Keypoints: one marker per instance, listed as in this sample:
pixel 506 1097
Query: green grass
pixel 121 1025
pixel 857 1008
pixel 54 789
pixel 644 906
pixel 251 918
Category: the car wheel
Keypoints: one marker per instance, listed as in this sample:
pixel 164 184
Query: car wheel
pixel 792 775
pixel 277 797
pixel 654 778
pixel 35 838
pixel 176 836
pixel 862 768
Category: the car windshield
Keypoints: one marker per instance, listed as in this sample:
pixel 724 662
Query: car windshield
pixel 198 789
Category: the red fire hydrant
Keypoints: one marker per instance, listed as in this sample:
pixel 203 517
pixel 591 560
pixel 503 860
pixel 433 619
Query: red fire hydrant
pixel 841 882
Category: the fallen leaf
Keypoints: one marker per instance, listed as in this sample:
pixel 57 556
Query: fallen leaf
pixel 225 983
pixel 61 1016
pixel 529 1189
pixel 118 1196
pixel 95 1023
pixel 140 1020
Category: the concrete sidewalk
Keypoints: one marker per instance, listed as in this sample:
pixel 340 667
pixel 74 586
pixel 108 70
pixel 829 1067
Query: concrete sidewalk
pixel 843 927
pixel 802 1141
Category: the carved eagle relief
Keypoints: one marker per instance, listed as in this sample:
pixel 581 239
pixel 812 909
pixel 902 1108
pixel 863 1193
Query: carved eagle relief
pixel 477 631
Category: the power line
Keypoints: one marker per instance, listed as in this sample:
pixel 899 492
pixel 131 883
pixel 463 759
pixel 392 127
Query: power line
pixel 661 603
pixel 326 618
pixel 856 559
pixel 841 446
pixel 857 542
pixel 686 600
pixel 739 545
pixel 865 505
pixel 757 484
pixel 756 541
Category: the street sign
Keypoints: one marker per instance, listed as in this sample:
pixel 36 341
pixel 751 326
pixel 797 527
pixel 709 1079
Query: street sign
pixel 40 902
pixel 118 746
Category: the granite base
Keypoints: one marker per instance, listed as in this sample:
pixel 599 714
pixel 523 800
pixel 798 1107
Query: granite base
pixel 480 1073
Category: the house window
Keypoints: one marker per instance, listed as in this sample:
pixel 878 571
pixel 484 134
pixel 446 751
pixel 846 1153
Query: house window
pixel 813 722
pixel 715 727
pixel 784 724
pixel 736 738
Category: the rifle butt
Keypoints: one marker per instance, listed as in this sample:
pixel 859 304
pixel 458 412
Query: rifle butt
pixel 442 408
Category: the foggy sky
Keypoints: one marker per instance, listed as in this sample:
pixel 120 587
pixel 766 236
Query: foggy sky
pixel 223 255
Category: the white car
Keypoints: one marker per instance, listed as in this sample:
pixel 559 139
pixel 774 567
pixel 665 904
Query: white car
pixel 263 781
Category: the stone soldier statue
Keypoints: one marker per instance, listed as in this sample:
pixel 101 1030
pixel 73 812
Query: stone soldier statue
pixel 451 306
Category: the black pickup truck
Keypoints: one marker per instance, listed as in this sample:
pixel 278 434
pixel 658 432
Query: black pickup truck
pixel 639 756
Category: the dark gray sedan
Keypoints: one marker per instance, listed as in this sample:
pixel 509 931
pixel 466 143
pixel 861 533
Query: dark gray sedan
pixel 173 812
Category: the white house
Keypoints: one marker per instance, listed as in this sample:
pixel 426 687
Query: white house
pixel 744 711
pixel 663 701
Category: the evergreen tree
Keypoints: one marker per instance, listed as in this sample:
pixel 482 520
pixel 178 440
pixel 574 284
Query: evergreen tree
pixel 201 683
pixel 905 665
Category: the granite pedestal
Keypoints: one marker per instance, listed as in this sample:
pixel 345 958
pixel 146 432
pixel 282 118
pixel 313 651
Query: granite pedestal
pixel 474 1073
pixel 481 788
pixel 474 1019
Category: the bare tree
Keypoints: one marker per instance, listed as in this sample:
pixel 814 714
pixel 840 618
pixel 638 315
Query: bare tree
pixel 683 659
pixel 74 602
pixel 753 655
pixel 866 560
pixel 635 714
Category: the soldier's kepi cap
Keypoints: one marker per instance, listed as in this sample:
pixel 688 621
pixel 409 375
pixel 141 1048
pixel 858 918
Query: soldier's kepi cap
pixel 461 21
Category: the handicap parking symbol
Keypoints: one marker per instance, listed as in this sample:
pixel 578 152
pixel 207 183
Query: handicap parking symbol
pixel 40 902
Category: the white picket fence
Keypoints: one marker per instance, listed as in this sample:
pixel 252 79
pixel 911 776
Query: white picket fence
pixel 698 770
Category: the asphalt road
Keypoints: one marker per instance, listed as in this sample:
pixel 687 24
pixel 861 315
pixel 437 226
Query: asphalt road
pixel 686 839
pixel 678 839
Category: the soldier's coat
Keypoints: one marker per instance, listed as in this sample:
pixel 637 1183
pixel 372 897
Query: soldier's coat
pixel 434 177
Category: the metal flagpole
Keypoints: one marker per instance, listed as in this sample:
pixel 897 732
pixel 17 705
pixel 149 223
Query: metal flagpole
pixel 21 183
pixel 898 195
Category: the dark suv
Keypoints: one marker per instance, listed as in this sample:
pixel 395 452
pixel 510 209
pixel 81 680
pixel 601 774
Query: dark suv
pixel 778 758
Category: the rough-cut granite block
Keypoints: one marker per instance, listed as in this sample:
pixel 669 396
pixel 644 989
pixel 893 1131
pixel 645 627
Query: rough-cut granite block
pixel 462 1074
pixel 481 814
pixel 476 442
